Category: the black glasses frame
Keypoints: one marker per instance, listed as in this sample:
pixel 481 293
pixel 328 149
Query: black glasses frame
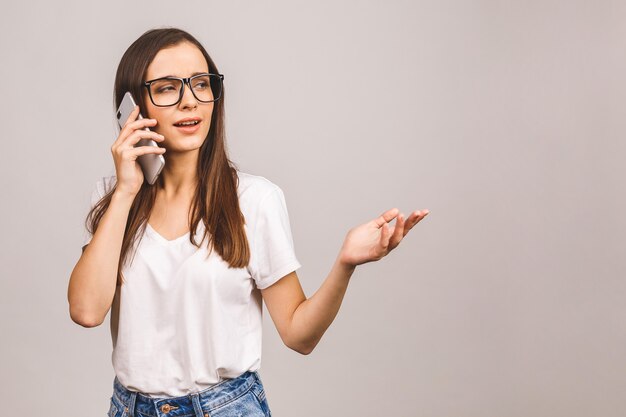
pixel 184 81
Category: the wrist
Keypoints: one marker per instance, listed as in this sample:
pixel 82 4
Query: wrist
pixel 123 197
pixel 344 265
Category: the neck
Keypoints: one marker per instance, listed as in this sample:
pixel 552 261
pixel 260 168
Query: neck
pixel 179 173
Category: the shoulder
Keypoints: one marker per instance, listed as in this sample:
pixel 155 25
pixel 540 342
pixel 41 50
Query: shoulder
pixel 108 182
pixel 103 185
pixel 253 188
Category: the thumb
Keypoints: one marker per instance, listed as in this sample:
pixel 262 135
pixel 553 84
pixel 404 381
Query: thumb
pixel 385 235
pixel 386 217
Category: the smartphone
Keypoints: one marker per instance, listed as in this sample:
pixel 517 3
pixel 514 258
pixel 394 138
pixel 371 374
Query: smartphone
pixel 151 164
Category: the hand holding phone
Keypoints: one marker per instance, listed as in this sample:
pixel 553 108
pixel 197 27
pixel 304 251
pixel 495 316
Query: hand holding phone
pixel 135 151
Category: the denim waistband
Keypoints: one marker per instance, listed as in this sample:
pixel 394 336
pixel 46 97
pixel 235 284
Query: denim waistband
pixel 186 405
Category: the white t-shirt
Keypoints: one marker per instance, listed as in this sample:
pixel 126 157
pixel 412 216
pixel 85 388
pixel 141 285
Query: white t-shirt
pixel 180 323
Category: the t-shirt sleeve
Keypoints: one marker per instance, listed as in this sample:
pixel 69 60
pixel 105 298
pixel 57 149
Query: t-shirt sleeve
pixel 273 250
pixel 97 193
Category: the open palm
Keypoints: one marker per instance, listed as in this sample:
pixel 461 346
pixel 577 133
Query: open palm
pixel 373 240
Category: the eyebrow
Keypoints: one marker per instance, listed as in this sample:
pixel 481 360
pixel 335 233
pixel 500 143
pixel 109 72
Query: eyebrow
pixel 195 73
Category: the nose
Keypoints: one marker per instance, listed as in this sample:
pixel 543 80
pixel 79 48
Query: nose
pixel 188 99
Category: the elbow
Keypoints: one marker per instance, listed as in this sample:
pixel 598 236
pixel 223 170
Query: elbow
pixel 83 319
pixel 303 349
pixel 80 310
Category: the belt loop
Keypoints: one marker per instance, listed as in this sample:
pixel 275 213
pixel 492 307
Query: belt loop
pixel 256 376
pixel 131 405
pixel 195 400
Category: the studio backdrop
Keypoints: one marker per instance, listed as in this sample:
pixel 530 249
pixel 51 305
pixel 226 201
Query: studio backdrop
pixel 504 119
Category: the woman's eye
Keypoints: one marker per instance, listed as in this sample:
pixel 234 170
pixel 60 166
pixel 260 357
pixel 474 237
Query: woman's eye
pixel 165 89
pixel 201 85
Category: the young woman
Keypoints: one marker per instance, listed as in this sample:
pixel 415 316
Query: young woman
pixel 185 315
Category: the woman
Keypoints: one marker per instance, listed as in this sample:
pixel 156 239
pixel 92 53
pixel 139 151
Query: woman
pixel 186 317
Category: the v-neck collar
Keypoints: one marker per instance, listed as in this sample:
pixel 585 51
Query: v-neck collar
pixel 163 240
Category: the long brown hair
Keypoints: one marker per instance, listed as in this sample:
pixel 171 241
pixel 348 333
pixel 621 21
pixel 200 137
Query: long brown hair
pixel 215 200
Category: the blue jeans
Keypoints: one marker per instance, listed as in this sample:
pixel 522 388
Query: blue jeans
pixel 236 397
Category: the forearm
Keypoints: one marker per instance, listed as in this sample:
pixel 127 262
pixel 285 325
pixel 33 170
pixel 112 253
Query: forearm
pixel 93 281
pixel 314 315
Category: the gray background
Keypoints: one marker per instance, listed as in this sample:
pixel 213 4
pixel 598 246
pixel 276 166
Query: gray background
pixel 504 119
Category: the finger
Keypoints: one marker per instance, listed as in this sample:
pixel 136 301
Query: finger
pixel 421 214
pixel 137 135
pixel 398 232
pixel 124 131
pixel 417 216
pixel 142 150
pixel 139 125
pixel 384 236
pixel 413 219
pixel 386 217
pixel 131 125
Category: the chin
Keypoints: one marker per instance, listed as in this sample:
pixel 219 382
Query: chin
pixel 188 143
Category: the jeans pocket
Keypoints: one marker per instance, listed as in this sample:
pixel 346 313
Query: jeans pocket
pixel 116 408
pixel 259 393
pixel 112 409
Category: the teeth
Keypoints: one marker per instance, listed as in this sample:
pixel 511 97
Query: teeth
pixel 188 123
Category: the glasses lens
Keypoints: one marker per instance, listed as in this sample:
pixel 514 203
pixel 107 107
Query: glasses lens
pixel 202 88
pixel 165 92
pixel 207 88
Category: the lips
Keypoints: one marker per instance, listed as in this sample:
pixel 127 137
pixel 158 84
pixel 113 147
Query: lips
pixel 189 121
pixel 188 129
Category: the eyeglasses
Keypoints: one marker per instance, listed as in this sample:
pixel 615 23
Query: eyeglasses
pixel 168 91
